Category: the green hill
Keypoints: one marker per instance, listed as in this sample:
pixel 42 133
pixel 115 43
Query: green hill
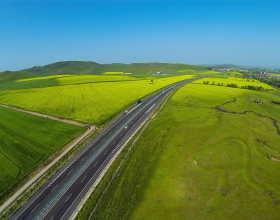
pixel 12 79
pixel 88 67
pixel 10 76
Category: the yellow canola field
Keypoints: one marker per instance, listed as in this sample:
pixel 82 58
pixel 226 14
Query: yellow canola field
pixel 92 103
pixel 92 78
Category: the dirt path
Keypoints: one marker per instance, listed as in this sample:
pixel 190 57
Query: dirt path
pixel 47 116
pixel 218 108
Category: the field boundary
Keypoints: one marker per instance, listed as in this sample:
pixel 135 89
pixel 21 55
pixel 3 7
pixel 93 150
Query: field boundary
pixel 48 116
pixel 41 171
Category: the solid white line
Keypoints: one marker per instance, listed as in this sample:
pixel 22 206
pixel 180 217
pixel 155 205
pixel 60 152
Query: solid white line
pixel 54 187
pixel 134 108
pixel 84 179
pixel 69 172
pixel 35 208
pixel 68 198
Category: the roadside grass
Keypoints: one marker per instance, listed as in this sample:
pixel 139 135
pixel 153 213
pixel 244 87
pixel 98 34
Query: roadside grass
pixel 26 142
pixel 208 155
pixel 195 162
pixel 93 103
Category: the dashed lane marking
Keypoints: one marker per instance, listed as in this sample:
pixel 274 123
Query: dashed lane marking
pixel 83 179
pixel 68 198
pixel 54 187
pixel 35 208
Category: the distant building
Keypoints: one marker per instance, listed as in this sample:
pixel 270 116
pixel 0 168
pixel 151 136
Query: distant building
pixel 221 70
pixel 160 73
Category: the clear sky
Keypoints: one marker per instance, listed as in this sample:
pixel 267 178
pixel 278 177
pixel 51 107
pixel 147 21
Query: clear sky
pixel 196 32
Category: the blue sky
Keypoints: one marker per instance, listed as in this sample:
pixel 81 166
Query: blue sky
pixel 197 32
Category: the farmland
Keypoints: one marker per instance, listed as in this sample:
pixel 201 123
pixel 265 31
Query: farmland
pixel 56 80
pixel 25 144
pixel 212 153
pixel 239 82
pixel 92 103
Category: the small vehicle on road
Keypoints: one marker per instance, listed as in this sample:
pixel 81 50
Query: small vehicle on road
pixel 125 112
pixel 138 102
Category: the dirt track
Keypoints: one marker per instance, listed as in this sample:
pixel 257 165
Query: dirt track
pixel 47 116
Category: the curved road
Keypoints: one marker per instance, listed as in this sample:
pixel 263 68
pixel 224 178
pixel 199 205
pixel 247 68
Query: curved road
pixel 60 195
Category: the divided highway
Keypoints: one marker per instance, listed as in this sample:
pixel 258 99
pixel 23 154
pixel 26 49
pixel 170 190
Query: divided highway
pixel 61 194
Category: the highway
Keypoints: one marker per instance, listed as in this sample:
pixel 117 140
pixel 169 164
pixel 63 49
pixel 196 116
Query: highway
pixel 61 194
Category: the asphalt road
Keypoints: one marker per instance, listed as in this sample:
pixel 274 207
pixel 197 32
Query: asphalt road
pixel 60 195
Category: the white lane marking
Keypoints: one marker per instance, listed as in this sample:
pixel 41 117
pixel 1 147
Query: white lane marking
pixel 69 172
pixel 68 198
pixel 150 108
pixel 83 158
pixel 134 108
pixel 106 152
pixel 54 187
pixel 84 179
pixel 96 164
pixel 114 142
pixel 35 208
pixel 52 218
pixel 116 147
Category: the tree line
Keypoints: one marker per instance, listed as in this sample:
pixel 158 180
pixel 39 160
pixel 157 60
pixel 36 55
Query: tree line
pixel 256 88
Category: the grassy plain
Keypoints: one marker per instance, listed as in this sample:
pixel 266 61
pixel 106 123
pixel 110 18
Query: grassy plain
pixel 196 162
pixel 25 144
pixel 92 103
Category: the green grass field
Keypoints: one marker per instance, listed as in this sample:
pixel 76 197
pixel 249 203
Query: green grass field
pixel 26 142
pixel 196 162
pixel 92 103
